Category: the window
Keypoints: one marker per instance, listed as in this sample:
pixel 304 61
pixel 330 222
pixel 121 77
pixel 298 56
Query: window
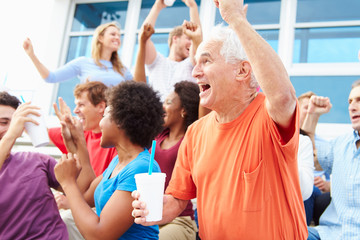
pixel 259 12
pixel 337 88
pixel 86 18
pixel 324 45
pixel 327 10
pixel 327 31
pixel 265 13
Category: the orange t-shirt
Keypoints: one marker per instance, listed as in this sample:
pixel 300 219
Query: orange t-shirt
pixel 244 176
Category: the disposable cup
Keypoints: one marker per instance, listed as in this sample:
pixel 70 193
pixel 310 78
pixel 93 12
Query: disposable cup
pixel 151 189
pixel 169 3
pixel 38 133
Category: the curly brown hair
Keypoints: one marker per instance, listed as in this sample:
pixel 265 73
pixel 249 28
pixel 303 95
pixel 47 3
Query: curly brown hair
pixel 136 108
pixel 188 93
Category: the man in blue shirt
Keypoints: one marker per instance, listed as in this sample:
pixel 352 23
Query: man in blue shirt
pixel 341 157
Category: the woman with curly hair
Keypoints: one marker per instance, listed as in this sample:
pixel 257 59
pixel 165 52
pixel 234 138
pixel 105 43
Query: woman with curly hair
pixel 181 109
pixel 104 65
pixel 128 125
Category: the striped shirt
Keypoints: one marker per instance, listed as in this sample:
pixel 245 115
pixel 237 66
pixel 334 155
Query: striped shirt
pixel 341 157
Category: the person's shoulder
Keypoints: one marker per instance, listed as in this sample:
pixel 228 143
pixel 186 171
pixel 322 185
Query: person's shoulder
pixel 32 156
pixel 202 122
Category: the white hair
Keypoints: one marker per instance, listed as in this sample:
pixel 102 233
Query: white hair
pixel 231 48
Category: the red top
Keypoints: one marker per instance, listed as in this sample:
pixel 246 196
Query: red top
pixel 166 158
pixel 99 157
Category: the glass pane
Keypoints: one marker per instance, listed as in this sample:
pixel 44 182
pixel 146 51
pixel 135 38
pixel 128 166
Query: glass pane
pixel 168 17
pixel 327 10
pixel 271 36
pixel 259 12
pixel 89 16
pixel 337 88
pixel 324 45
pixel 161 44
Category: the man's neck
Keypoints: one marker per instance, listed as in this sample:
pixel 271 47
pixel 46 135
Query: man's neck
pixel 230 112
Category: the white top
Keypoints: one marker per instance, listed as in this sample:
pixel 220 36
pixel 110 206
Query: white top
pixel 164 73
pixel 306 166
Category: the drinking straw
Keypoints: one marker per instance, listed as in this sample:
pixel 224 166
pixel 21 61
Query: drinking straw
pixel 5 80
pixel 22 99
pixel 152 156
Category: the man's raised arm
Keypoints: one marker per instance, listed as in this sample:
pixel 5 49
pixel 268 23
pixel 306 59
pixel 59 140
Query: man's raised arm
pixel 266 64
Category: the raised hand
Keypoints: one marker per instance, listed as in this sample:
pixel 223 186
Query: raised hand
pixel 67 169
pixel 20 117
pixel 319 105
pixel 28 47
pixel 192 30
pixel 231 10
pixel 63 109
pixel 146 32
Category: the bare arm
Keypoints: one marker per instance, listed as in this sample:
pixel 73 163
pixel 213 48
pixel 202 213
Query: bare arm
pixel 193 31
pixel 139 73
pixel 28 47
pixel 150 53
pixel 266 64
pixel 16 128
pixel 172 207
pixel 115 218
pixel 194 12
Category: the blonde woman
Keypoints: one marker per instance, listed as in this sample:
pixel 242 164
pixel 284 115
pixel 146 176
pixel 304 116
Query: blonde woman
pixel 104 65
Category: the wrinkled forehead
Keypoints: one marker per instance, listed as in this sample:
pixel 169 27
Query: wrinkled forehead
pixel 355 92
pixel 208 48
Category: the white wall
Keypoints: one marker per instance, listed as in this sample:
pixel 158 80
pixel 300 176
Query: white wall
pixel 44 22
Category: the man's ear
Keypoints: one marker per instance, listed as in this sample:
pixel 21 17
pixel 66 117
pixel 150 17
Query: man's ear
pixel 101 106
pixel 243 71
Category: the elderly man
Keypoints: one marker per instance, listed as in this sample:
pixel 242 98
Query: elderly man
pixel 240 159
pixel 340 156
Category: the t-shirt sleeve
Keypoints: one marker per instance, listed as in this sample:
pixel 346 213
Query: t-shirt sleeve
pixel 181 185
pixel 292 134
pixel 126 180
pixel 56 138
pixel 66 72
pixel 128 75
pixel 153 64
pixel 50 164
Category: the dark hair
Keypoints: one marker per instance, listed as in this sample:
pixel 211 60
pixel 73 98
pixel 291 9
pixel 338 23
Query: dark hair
pixel 8 100
pixel 136 108
pixel 188 93
pixel 96 91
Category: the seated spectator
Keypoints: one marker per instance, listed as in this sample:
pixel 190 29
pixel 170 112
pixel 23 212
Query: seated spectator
pixel 181 110
pixel 317 202
pixel 129 125
pixel 341 220
pixel 28 207
pixel 90 103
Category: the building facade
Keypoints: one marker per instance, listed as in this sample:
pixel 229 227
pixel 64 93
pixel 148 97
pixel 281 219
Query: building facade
pixel 318 41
